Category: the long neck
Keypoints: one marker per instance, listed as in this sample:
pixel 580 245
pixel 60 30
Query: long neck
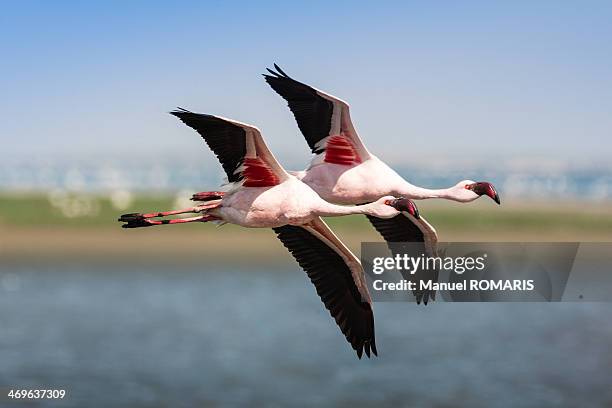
pixel 332 210
pixel 420 193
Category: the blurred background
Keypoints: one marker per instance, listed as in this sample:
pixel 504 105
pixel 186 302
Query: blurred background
pixel 518 94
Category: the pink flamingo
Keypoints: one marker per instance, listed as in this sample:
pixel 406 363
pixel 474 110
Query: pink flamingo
pixel 343 171
pixel 263 195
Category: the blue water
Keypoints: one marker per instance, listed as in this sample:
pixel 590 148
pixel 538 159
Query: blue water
pixel 155 337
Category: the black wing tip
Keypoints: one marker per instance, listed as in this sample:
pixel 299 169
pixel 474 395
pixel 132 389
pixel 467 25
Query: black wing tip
pixel 278 74
pixel 281 71
pixel 179 111
pixel 184 114
pixel 426 297
pixel 273 73
pixel 271 80
pixel 367 346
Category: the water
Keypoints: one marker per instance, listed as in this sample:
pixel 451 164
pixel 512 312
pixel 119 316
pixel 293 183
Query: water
pixel 193 337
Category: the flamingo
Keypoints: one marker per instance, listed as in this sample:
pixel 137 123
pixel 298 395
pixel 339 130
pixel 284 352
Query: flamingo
pixel 263 195
pixel 343 171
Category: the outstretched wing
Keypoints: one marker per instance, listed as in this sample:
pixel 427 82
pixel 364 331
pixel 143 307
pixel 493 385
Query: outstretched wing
pixel 239 147
pixel 405 228
pixel 323 119
pixel 338 278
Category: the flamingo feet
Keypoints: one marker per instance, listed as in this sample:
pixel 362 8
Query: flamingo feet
pixel 208 195
pixel 134 220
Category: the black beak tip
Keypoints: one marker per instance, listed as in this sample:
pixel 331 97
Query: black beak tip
pixel 496 199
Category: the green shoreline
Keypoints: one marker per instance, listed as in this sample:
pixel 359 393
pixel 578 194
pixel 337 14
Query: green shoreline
pixel 31 228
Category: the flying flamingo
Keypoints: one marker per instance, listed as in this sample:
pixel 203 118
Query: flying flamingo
pixel 263 195
pixel 343 171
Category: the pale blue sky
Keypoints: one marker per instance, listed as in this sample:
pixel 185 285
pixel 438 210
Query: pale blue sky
pixel 423 78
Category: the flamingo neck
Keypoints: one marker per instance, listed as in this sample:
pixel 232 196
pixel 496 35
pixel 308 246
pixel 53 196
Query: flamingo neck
pixel 334 210
pixel 420 193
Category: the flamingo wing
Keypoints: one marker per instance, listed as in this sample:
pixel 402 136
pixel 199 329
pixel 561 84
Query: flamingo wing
pixel 239 147
pixel 338 278
pixel 323 119
pixel 405 228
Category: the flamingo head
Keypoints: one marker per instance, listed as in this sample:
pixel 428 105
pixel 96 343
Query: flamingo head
pixel 469 190
pixel 402 204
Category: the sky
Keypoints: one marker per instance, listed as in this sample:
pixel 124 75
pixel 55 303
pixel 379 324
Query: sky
pixel 458 80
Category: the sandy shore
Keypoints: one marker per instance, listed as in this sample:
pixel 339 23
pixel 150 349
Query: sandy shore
pixel 209 244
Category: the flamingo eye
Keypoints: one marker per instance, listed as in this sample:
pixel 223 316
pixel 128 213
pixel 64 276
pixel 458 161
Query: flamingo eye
pixel 467 187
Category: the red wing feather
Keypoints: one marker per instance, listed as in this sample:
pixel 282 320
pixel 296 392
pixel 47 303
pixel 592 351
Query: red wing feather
pixel 340 150
pixel 256 173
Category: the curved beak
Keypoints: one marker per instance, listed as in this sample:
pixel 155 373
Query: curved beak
pixel 491 192
pixel 486 188
pixel 407 205
pixel 496 198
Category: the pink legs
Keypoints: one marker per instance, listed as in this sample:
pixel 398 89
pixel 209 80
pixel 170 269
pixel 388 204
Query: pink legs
pixel 166 213
pixel 137 220
pixel 212 199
